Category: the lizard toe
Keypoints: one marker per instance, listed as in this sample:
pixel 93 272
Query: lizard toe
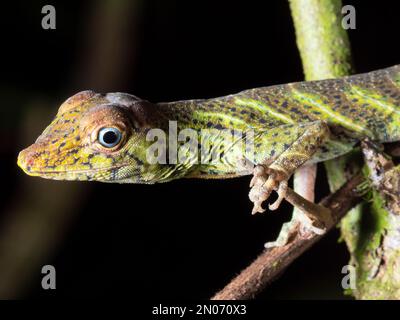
pixel 283 186
pixel 262 184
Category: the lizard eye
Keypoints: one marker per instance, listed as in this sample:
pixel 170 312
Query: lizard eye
pixel 109 137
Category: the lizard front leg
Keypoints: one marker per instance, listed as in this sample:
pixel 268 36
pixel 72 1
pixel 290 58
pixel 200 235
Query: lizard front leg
pixel 299 149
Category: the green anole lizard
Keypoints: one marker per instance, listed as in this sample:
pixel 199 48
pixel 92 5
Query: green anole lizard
pixel 105 137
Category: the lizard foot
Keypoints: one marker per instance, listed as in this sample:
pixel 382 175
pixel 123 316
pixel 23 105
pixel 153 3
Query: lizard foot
pixel 264 181
pixel 301 224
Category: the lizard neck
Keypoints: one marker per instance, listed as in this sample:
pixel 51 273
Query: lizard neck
pixel 218 131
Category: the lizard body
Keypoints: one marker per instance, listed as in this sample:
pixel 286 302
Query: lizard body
pixel 104 137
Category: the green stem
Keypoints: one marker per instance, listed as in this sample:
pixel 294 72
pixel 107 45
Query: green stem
pixel 370 230
pixel 323 43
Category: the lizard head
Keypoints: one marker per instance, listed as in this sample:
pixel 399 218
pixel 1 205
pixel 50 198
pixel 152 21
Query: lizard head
pixel 94 136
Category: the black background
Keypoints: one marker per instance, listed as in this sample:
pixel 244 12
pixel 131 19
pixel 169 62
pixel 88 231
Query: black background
pixel 188 238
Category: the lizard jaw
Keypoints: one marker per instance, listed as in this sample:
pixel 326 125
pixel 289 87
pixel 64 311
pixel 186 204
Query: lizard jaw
pixel 26 163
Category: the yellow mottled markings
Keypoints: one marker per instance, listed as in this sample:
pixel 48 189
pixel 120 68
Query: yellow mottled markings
pixel 297 155
pixel 376 101
pixel 98 161
pixel 374 98
pixel 316 104
pixel 262 107
pixel 223 116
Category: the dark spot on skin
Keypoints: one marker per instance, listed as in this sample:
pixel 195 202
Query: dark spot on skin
pixel 272 152
pixel 54 141
pixel 209 124
pixel 262 121
pixel 77 138
pixel 140 162
pixel 233 109
pixel 316 112
pixel 243 111
pixel 61 145
pixel 275 134
pixel 295 110
pixel 284 104
pixel 87 164
pixel 73 151
pixel 113 174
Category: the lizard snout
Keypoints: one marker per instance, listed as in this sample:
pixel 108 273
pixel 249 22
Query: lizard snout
pixel 26 159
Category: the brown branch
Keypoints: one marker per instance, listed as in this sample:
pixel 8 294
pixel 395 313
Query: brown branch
pixel 275 260
pixel 383 174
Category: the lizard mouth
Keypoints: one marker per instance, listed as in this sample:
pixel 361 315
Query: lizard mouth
pixel 59 172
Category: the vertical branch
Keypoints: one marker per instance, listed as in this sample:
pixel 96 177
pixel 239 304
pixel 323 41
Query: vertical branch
pixel 325 53
pixel 323 43
pixel 369 228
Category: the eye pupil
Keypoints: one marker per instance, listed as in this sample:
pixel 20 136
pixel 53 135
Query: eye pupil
pixel 109 137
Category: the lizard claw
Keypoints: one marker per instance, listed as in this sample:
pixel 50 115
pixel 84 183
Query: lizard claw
pixel 283 186
pixel 261 187
pixel 257 208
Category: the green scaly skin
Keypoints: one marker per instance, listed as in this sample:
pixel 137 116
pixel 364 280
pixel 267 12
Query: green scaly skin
pixel 292 124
